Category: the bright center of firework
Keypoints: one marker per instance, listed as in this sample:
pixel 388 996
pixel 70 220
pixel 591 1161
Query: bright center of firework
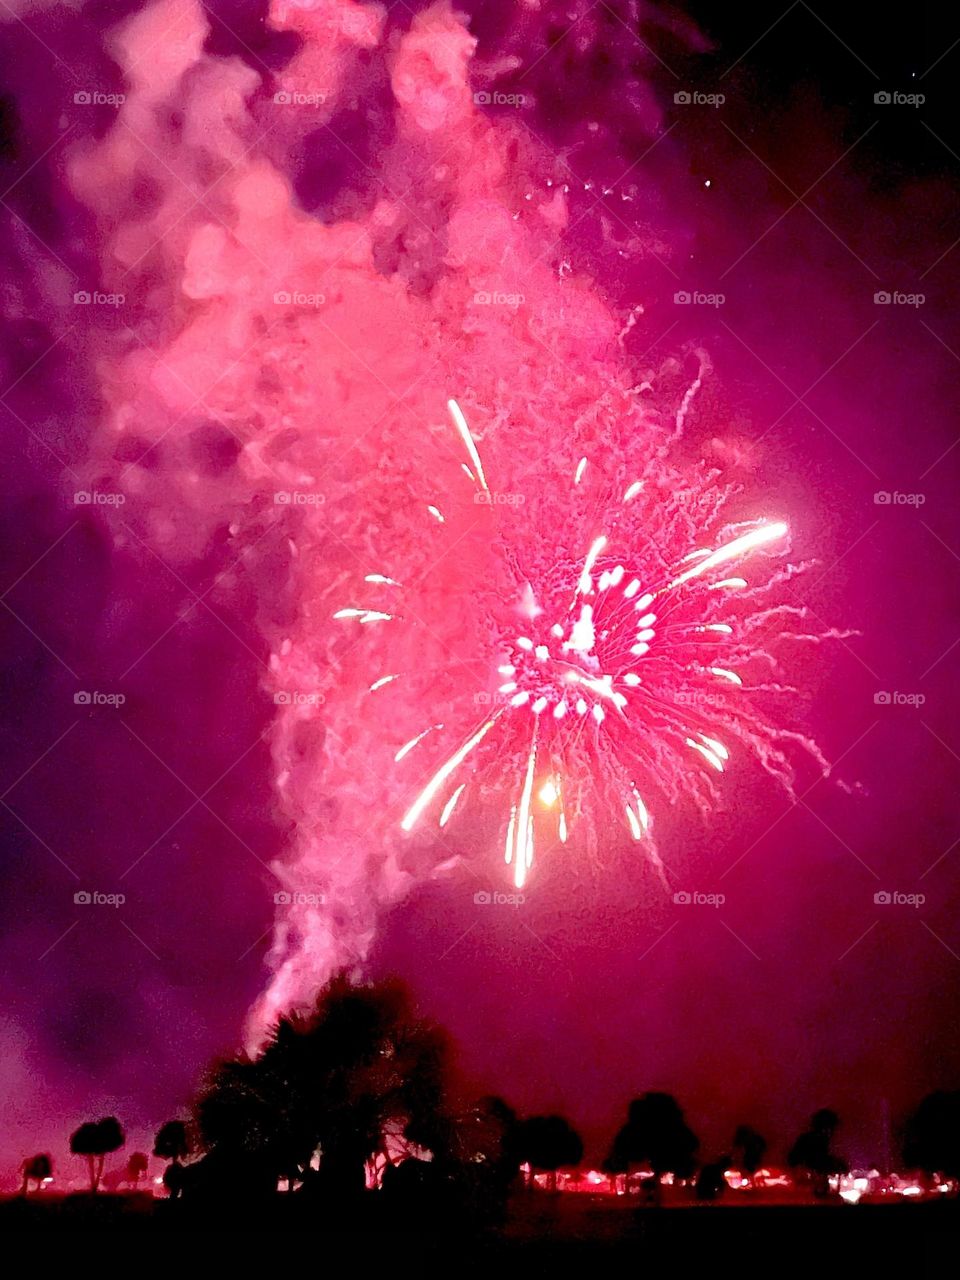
pixel 576 666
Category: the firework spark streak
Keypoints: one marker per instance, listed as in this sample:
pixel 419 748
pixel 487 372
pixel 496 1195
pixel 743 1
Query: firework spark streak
pixel 634 685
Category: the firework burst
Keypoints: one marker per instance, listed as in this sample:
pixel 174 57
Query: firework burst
pixel 628 670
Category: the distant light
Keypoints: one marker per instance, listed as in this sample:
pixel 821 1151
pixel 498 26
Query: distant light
pixel 707 183
pixel 549 793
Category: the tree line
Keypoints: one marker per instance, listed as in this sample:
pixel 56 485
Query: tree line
pixel 360 1091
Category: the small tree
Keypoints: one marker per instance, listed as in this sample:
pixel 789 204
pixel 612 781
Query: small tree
pixel 172 1142
pixel 932 1139
pixel 137 1166
pixel 749 1148
pixel 812 1151
pixel 36 1169
pixel 655 1134
pixel 549 1143
pixel 95 1140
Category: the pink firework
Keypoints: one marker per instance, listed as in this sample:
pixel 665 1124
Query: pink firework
pixel 627 632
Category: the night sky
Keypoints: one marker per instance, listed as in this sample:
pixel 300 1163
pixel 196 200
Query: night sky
pixel 799 198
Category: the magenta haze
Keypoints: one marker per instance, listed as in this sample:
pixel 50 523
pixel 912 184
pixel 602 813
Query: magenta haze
pixel 815 981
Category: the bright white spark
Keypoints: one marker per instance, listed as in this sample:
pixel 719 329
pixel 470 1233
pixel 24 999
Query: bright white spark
pixel 408 746
pixel 710 756
pixel 364 615
pixel 460 422
pixel 586 582
pixel 738 547
pixel 451 804
pixel 378 684
pixel 444 772
pixel 724 674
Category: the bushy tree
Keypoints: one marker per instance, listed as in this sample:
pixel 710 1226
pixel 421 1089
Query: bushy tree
pixel 35 1169
pixel 547 1144
pixel 336 1082
pixel 813 1154
pixel 655 1134
pixel 95 1140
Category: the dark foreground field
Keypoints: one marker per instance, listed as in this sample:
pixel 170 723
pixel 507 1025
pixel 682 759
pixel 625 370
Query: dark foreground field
pixel 545 1235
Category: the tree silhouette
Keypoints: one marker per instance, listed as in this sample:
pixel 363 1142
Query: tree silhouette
pixel 137 1166
pixel 35 1169
pixel 711 1183
pixel 932 1139
pixel 812 1151
pixel 749 1147
pixel 96 1140
pixel 172 1142
pixel 655 1134
pixel 334 1083
pixel 549 1143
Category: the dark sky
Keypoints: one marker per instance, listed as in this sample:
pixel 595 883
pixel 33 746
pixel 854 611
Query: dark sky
pixel 799 199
